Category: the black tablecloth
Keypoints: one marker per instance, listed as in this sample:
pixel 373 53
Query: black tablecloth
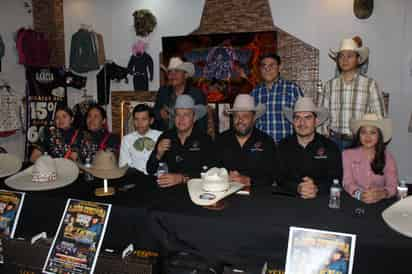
pixel 251 228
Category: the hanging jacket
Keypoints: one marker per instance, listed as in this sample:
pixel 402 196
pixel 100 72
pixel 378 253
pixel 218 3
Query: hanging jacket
pixel 110 71
pixel 83 52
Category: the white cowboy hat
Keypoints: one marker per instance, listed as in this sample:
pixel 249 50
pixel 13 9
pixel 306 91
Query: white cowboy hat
pixel 186 101
pixel 306 104
pixel 46 173
pixel 245 102
pixel 350 44
pixel 371 119
pixel 9 164
pixel 105 166
pixel 396 216
pixel 175 63
pixel 206 192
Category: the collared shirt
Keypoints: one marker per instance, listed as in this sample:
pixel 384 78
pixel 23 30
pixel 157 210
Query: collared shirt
pixel 282 94
pixel 187 158
pixel 130 155
pixel 90 142
pixel 358 173
pixel 255 159
pixel 320 160
pixel 346 101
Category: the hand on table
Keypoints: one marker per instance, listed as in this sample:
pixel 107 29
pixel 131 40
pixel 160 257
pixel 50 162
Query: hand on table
pixel 170 179
pixel 373 195
pixel 307 189
pixel 236 177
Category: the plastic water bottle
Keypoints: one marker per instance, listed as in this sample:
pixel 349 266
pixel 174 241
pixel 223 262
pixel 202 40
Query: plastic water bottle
pixel 335 191
pixel 87 176
pixel 162 169
pixel 402 189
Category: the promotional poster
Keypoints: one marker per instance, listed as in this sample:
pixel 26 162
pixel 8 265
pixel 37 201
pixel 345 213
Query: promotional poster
pixel 312 251
pixel 78 239
pixel 10 206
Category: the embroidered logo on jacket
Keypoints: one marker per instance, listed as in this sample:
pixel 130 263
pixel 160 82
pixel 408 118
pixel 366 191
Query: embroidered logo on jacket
pixel 321 154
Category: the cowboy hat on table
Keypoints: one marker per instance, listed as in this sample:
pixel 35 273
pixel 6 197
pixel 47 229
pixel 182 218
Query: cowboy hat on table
pixel 105 166
pixel 398 216
pixel 47 173
pixel 305 104
pixel 9 164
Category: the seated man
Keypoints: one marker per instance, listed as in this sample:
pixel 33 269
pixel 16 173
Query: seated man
pixel 308 161
pixel 137 146
pixel 185 149
pixel 245 151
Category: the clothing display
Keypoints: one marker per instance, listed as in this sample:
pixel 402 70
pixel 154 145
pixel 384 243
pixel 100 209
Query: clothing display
pixel 358 173
pixel 58 143
pixel 134 154
pixel 75 81
pixel 255 159
pixel 11 112
pixel 346 101
pixel 141 67
pixel 33 48
pixel 2 50
pixel 320 160
pixel 101 54
pixel 283 94
pixel 84 51
pixel 110 71
pixel 188 158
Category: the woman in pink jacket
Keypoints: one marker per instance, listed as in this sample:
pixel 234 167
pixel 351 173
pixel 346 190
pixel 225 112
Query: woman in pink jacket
pixel 369 170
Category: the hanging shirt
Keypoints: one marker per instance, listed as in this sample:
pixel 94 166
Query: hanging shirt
pixel 83 52
pixel 11 113
pixel 110 71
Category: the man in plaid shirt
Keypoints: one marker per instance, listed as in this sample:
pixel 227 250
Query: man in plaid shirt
pixel 275 93
pixel 349 95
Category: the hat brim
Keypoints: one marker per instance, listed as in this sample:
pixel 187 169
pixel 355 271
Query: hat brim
pixel 394 216
pixel 200 111
pixel 67 173
pixel 385 125
pixel 322 114
pixel 187 67
pixel 9 164
pixel 363 53
pixel 195 189
pixel 106 173
pixel 259 110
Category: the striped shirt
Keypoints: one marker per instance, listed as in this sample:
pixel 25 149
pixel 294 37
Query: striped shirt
pixel 346 101
pixel 282 94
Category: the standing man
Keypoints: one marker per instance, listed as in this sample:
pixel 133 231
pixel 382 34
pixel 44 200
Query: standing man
pixel 245 151
pixel 184 148
pixel 137 146
pixel 275 93
pixel 349 95
pixel 308 161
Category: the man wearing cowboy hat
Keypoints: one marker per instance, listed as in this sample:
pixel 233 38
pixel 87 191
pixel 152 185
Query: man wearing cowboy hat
pixel 185 149
pixel 178 73
pixel 309 162
pixel 245 151
pixel 350 94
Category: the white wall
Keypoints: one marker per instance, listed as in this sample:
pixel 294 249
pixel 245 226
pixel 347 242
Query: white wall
pixel 12 17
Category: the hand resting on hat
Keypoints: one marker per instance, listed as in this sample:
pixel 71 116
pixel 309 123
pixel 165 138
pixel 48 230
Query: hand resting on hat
pixel 234 176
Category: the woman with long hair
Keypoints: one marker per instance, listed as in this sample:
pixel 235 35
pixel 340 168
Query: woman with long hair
pixel 369 169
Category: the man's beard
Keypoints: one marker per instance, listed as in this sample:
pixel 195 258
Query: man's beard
pixel 245 132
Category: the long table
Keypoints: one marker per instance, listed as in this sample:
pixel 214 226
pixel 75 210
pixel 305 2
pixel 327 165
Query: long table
pixel 251 228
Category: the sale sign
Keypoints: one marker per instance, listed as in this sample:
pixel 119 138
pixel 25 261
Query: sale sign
pixel 45 92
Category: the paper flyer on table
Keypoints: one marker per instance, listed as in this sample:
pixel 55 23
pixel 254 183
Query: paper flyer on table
pixel 78 239
pixel 11 203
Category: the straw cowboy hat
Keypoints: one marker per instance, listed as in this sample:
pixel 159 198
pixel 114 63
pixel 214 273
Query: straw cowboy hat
pixel 9 164
pixel 245 102
pixel 105 166
pixel 175 63
pixel 201 195
pixel 186 101
pixel 395 216
pixel 306 104
pixel 350 44
pixel 371 119
pixel 46 173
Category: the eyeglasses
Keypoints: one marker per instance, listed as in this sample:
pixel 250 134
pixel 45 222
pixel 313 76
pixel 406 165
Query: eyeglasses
pixel 268 66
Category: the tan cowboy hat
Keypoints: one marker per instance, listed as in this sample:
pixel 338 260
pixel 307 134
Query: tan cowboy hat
pixel 245 102
pixel 9 164
pixel 350 44
pixel 105 166
pixel 186 101
pixel 306 104
pixel 396 216
pixel 175 63
pixel 46 173
pixel 371 119
pixel 206 192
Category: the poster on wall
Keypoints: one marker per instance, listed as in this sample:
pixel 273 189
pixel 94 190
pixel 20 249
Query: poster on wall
pixel 78 239
pixel 45 91
pixel 225 64
pixel 319 251
pixel 11 203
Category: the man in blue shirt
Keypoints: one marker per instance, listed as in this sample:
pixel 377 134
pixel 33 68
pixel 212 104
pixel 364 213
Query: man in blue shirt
pixel 275 93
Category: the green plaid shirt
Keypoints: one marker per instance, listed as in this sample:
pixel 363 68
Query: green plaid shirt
pixel 346 101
